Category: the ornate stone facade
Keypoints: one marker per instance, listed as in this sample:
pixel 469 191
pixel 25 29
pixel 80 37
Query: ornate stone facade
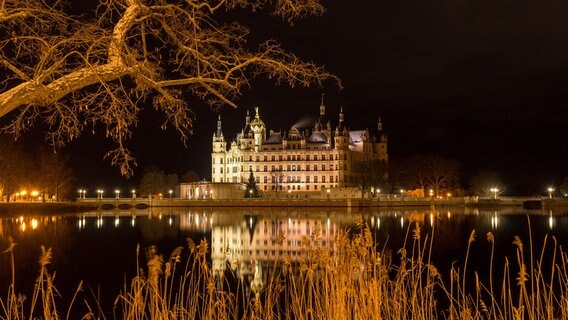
pixel 300 160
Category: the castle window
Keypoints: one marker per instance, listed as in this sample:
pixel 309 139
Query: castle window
pixel 308 179
pixel 307 157
pixel 315 167
pixel 265 158
pixel 294 158
pixel 280 157
pixel 221 170
pixel 273 158
pixel 288 157
pixel 323 156
pixel 213 160
pixel 250 158
pixel 213 170
pixel 315 188
pixel 257 169
pixel 316 180
pixel 323 167
pixel 315 156
pixel 265 168
pixel 265 180
pixel 307 187
pixel 336 179
pixel 323 179
pixel 336 156
pixel 336 166
pixel 257 158
pixel 221 160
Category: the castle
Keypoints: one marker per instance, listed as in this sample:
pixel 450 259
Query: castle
pixel 303 160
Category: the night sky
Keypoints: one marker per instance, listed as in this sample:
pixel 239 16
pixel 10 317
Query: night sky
pixel 481 81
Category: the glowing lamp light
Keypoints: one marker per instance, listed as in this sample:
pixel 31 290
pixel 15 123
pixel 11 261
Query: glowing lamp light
pixel 550 191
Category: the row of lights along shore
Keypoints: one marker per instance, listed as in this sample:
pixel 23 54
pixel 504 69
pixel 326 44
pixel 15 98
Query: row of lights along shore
pixel 100 193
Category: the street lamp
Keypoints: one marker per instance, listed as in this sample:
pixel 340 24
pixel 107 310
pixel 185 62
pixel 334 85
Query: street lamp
pixel 117 192
pixel 133 194
pixel 494 191
pixel 170 192
pixel 100 193
pixel 550 191
pixel 328 191
pixel 431 193
pixel 250 193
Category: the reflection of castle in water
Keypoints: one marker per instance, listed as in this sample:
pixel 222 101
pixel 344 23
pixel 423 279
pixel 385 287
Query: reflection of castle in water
pixel 262 240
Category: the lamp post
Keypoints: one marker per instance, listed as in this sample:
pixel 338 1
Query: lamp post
pixel 431 193
pixel 550 191
pixel 117 192
pixel 100 193
pixel 494 191
pixel 401 194
pixel 250 193
pixel 170 192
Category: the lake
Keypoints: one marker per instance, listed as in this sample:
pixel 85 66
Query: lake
pixel 100 247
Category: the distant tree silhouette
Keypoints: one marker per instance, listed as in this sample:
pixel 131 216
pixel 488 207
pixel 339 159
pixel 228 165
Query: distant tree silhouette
pixel 155 182
pixel 190 176
pixel 483 181
pixel 55 175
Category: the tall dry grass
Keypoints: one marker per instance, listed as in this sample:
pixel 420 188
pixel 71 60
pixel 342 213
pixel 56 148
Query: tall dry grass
pixel 354 281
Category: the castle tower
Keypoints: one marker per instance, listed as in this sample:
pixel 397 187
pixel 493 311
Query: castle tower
pixel 219 154
pixel 259 130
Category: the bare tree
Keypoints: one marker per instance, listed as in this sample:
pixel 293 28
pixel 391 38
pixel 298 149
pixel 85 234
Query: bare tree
pixel 14 168
pixel 54 175
pixel 93 71
pixel 485 180
pixel 369 173
pixel 431 171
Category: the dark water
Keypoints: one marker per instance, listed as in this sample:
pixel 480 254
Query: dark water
pixel 100 247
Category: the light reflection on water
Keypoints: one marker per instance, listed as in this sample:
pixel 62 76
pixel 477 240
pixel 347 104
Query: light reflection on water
pixel 99 247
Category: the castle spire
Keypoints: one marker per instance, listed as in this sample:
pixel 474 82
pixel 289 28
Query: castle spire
pixel 322 106
pixel 257 116
pixel 379 125
pixel 219 132
pixel 247 119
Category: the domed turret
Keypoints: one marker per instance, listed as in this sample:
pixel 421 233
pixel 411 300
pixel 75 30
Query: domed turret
pixel 259 130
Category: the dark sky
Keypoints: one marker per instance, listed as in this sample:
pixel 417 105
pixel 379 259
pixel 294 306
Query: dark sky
pixel 481 81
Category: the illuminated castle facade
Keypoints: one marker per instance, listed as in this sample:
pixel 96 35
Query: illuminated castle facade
pixel 300 160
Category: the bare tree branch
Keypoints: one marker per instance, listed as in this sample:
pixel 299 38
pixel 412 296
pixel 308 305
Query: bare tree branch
pixel 92 70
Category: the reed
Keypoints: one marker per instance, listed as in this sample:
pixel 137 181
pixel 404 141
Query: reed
pixel 355 280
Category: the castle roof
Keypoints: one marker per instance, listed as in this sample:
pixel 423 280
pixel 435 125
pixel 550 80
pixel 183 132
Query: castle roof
pixel 356 136
pixel 317 137
pixel 274 138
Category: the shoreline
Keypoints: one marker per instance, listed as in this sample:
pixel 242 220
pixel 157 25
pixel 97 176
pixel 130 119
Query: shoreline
pixel 84 205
